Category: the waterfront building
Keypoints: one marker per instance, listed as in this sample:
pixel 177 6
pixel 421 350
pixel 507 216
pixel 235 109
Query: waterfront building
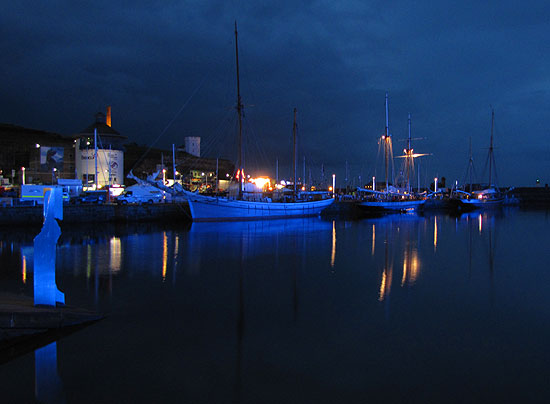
pixel 110 154
pixel 34 156
pixel 193 145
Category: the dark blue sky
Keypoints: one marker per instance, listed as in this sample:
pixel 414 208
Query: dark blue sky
pixel 445 62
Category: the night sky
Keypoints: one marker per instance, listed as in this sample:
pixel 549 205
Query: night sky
pixel 167 68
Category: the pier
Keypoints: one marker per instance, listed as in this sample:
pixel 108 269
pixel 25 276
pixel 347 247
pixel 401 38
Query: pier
pixel 24 326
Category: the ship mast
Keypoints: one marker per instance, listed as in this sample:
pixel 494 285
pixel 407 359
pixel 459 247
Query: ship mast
pixel 491 157
pixel 239 112
pixel 386 142
pixel 471 165
pixel 294 141
pixel 409 158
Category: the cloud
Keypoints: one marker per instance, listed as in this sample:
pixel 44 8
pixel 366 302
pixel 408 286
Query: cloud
pixel 446 63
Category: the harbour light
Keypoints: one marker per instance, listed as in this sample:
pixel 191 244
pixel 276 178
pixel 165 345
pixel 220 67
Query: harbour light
pixel 261 182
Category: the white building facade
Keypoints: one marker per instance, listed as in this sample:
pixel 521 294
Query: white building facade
pixel 109 166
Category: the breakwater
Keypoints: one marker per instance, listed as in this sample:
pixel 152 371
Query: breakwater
pixel 531 197
pixel 107 213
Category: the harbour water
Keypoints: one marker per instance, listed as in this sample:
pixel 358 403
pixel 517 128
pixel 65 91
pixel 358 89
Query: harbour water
pixel 402 308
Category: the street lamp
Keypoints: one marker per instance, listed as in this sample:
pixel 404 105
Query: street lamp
pixel 334 185
pixel 23 174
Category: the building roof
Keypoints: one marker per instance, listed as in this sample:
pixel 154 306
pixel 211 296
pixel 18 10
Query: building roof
pixel 21 134
pixel 102 128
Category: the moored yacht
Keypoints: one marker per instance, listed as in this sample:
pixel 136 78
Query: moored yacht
pixel 392 199
pixel 244 206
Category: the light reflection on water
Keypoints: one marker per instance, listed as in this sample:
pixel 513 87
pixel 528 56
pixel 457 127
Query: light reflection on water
pixel 302 310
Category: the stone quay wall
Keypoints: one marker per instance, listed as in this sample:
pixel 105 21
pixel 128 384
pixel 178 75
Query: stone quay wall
pixel 107 213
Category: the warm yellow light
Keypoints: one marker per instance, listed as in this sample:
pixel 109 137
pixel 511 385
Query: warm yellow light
pixel 261 182
pixel 303 188
pixel 330 189
pixel 115 190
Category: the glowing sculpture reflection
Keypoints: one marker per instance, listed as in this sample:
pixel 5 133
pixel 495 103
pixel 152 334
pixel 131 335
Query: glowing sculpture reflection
pixel 47 384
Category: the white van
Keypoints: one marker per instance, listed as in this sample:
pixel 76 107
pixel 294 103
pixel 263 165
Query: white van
pixel 141 194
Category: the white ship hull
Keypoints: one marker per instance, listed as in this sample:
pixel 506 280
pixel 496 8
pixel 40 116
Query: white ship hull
pixel 215 209
pixel 477 204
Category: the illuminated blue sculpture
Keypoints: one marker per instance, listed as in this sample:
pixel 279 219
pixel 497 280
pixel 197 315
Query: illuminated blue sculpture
pixel 45 289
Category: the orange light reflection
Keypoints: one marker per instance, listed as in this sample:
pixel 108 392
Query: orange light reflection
pixel 333 253
pixel 24 270
pixel 164 256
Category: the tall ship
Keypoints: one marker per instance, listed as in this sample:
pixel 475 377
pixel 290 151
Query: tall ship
pixel 244 205
pixel 392 199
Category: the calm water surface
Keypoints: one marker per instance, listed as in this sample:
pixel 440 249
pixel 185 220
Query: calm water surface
pixel 395 309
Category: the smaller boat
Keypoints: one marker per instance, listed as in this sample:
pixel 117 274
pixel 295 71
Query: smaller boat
pixel 486 198
pixel 390 202
pixel 490 197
